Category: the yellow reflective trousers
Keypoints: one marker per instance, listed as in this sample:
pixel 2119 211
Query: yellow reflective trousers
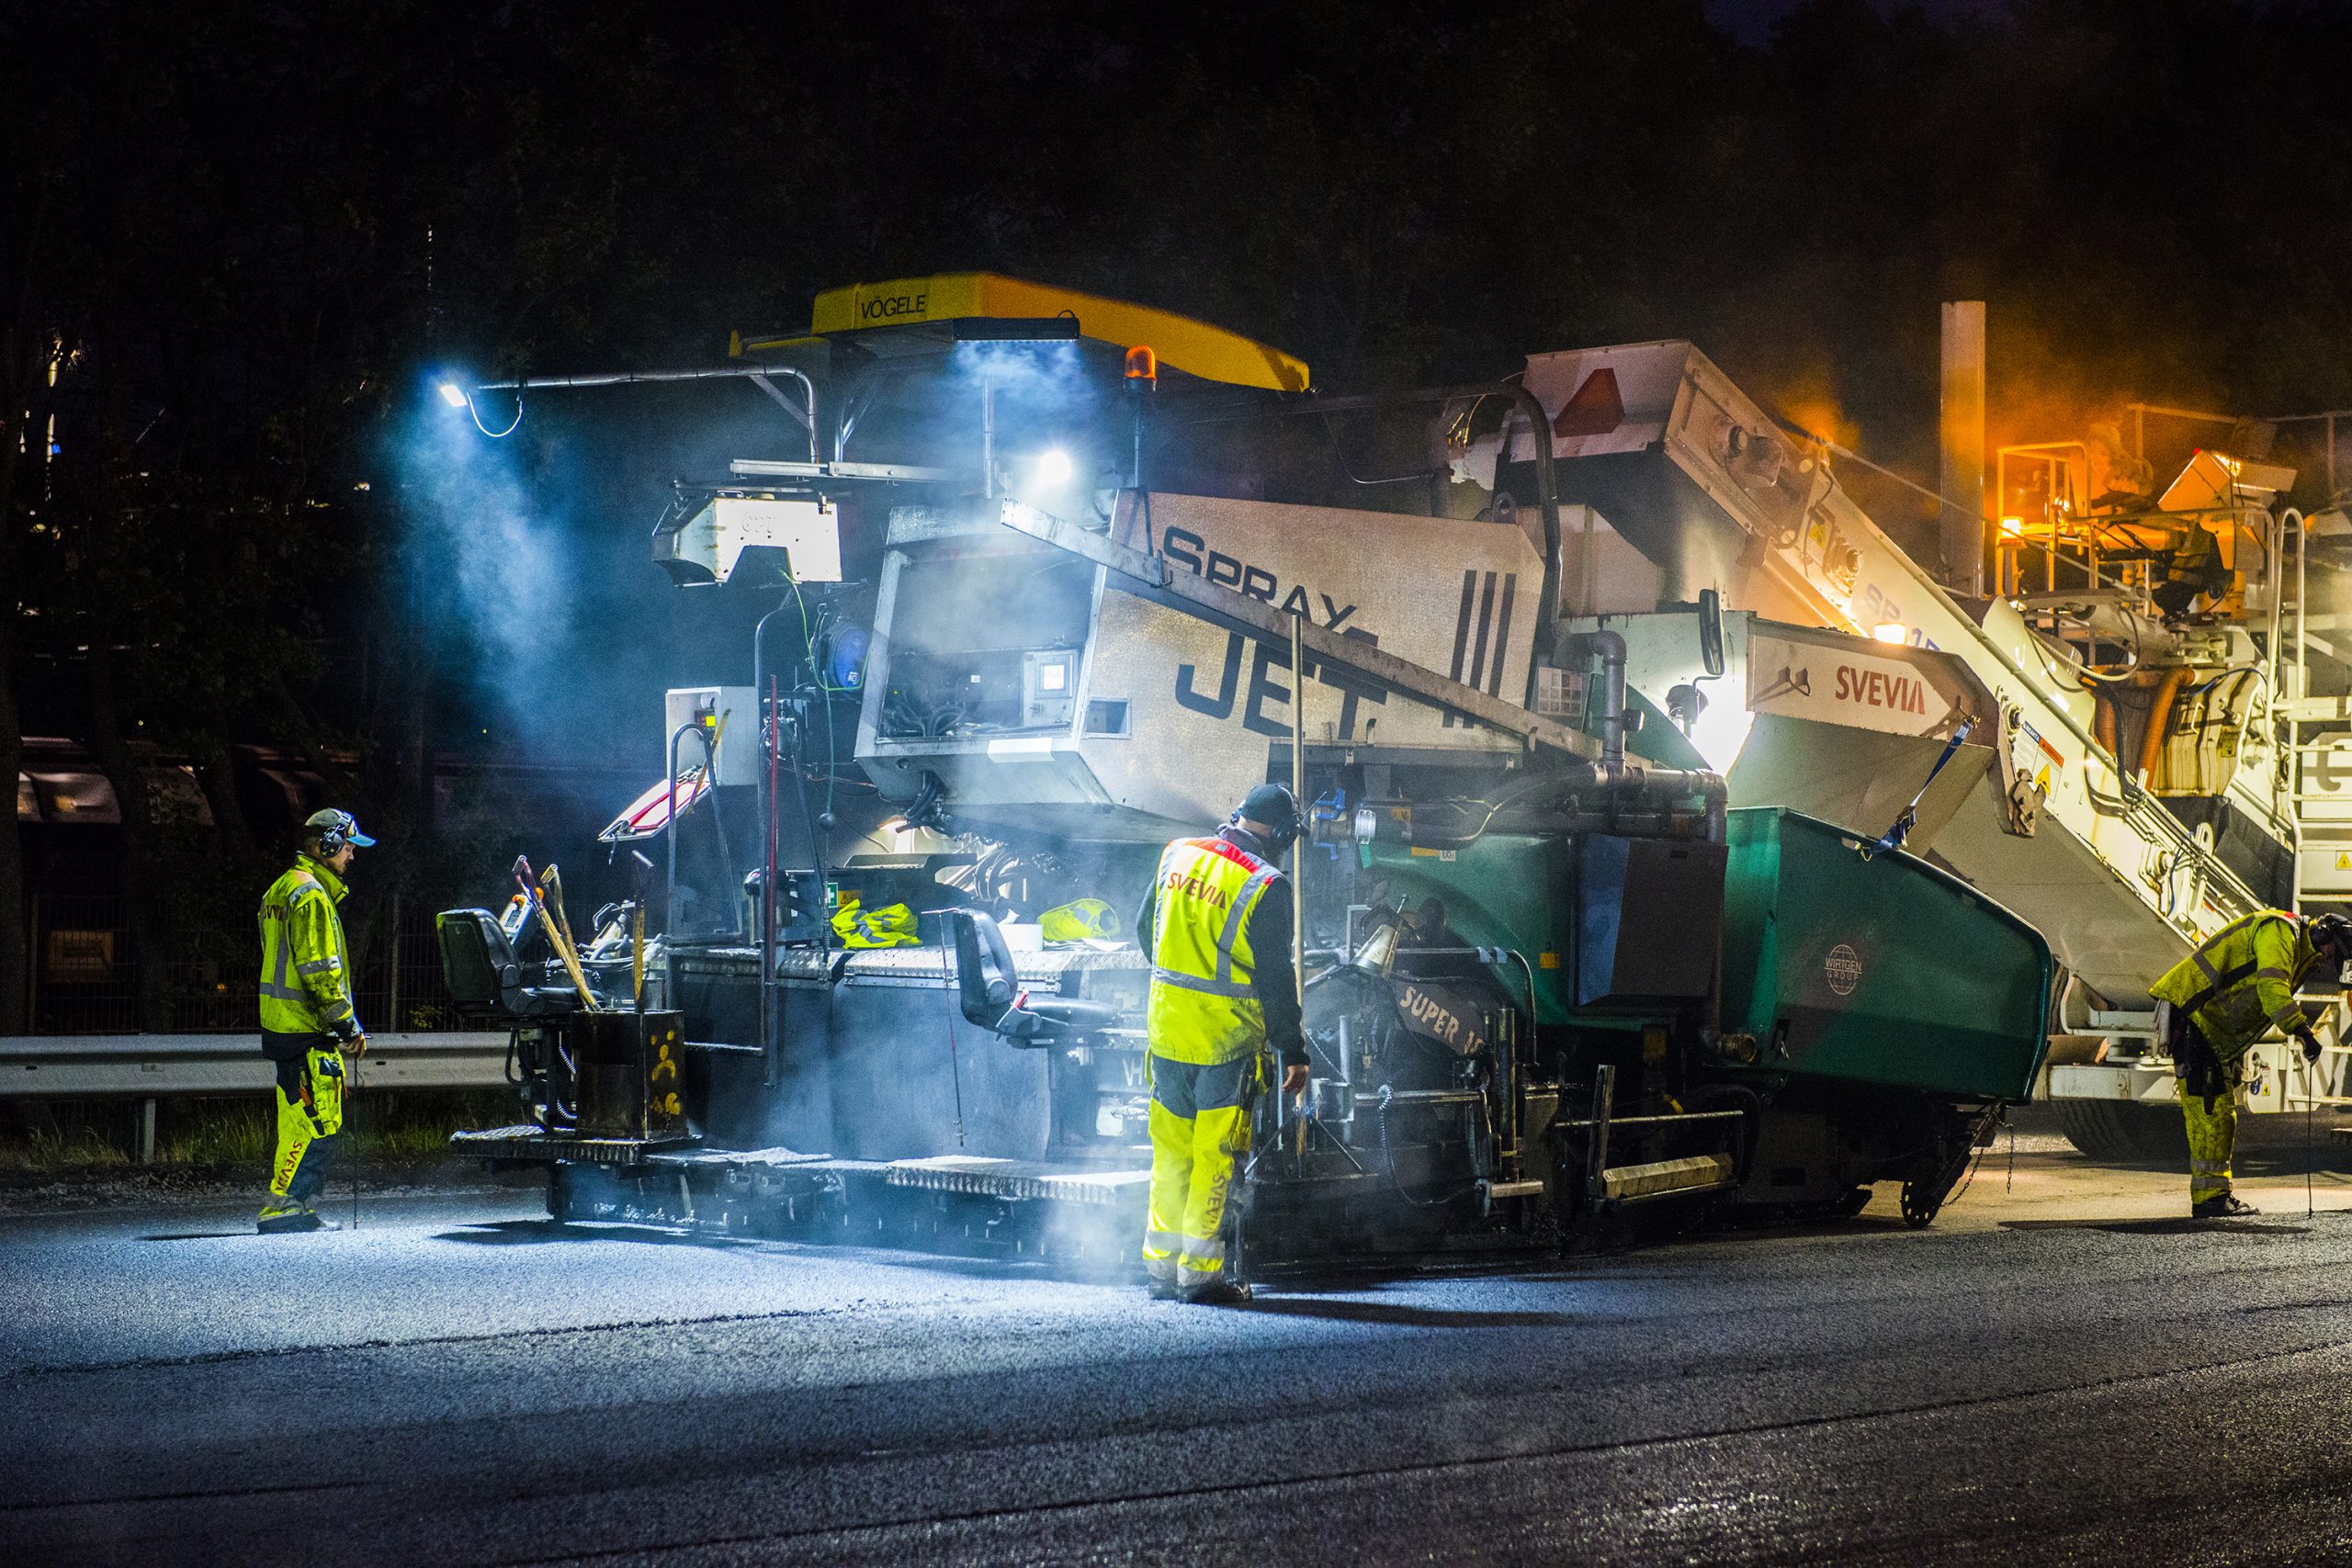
pixel 310 1115
pixel 2211 1141
pixel 1200 1126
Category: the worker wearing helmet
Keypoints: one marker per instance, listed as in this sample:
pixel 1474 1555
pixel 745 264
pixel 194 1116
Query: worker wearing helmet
pixel 307 1021
pixel 2212 1005
pixel 1218 925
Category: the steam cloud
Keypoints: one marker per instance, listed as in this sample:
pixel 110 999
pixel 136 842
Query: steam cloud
pixel 491 574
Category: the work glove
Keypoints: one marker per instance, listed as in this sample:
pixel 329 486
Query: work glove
pixel 355 1046
pixel 2309 1042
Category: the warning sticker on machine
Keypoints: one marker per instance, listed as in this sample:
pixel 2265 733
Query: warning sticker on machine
pixel 2057 758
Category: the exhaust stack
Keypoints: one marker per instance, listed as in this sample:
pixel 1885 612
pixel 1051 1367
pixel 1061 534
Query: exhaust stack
pixel 1961 518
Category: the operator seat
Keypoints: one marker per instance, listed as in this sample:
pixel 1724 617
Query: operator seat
pixel 991 996
pixel 483 974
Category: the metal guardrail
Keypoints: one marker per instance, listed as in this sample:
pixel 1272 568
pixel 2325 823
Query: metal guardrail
pixel 74 1066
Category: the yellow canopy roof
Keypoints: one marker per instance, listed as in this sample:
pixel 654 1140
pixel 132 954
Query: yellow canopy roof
pixel 1180 342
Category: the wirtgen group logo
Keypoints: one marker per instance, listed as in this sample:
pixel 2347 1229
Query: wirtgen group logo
pixel 1844 967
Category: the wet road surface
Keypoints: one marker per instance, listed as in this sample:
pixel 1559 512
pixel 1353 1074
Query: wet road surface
pixel 2057 1372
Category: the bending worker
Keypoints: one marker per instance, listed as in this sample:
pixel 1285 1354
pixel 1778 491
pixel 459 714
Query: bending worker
pixel 1217 926
pixel 2218 1001
pixel 306 1023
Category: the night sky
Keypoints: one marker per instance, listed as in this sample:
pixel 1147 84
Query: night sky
pixel 240 242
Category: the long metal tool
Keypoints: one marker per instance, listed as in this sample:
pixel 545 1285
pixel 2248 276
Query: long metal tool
pixel 1299 843
pixel 551 893
pixel 351 1126
pixel 555 937
pixel 640 869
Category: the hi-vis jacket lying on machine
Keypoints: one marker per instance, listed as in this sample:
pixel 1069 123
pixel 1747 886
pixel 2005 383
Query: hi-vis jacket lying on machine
pixel 888 925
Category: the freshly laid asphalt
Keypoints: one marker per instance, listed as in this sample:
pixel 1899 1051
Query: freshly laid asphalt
pixel 2061 1370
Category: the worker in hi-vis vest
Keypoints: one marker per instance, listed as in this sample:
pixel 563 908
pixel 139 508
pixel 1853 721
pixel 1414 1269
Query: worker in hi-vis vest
pixel 307 1021
pixel 2237 986
pixel 1218 927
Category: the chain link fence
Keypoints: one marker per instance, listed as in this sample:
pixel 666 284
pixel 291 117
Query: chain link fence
pixel 85 980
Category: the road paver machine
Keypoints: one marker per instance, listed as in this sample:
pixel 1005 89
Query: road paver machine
pixel 1059 580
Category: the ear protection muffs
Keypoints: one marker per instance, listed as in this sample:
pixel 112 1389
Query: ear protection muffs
pixel 2336 932
pixel 1279 836
pixel 335 831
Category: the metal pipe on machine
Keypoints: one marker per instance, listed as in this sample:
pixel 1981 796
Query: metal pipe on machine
pixel 1962 430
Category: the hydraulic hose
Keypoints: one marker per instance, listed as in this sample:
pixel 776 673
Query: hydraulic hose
pixel 2152 742
pixel 1388 1164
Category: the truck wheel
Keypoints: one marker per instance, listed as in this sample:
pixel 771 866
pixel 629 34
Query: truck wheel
pixel 1925 1190
pixel 2124 1132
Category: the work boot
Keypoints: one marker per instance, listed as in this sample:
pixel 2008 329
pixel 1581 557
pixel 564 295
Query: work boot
pixel 1219 1292
pixel 283 1216
pixel 1161 1290
pixel 2225 1207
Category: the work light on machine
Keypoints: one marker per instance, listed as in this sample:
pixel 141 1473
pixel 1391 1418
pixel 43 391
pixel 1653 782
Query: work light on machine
pixel 1889 631
pixel 1054 469
pixel 453 394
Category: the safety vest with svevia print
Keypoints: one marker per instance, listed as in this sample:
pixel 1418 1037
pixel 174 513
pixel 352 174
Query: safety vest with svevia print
pixel 305 969
pixel 1203 1010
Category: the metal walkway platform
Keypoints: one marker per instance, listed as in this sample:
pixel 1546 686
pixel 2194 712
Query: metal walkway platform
pixel 1017 1178
pixel 965 1175
pixel 528 1143
pixel 737 1159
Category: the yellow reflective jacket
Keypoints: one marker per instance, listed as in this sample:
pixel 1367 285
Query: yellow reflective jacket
pixel 1202 1008
pixel 305 967
pixel 2243 980
pixel 1078 921
pixel 890 925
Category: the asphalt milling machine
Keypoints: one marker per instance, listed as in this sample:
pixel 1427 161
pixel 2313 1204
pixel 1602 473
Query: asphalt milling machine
pixel 1556 992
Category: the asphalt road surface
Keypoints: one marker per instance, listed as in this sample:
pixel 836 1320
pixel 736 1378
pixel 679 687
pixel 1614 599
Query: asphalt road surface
pixel 2060 1371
